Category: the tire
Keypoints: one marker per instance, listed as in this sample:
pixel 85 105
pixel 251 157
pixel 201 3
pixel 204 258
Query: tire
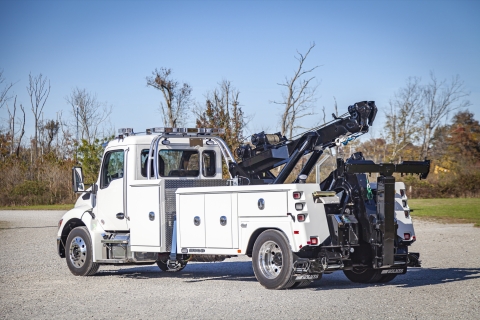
pixel 79 253
pixel 163 265
pixel 363 275
pixel 273 260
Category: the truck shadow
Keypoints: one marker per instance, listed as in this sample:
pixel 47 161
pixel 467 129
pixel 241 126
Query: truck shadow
pixel 242 271
pixel 415 277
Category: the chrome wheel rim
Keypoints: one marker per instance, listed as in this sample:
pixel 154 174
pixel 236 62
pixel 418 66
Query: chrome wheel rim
pixel 270 259
pixel 78 252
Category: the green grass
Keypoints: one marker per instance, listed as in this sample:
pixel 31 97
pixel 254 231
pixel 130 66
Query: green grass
pixel 41 207
pixel 455 210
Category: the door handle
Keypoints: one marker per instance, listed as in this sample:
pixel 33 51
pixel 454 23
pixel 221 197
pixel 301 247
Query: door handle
pixel 223 220
pixel 120 215
pixel 151 216
pixel 196 220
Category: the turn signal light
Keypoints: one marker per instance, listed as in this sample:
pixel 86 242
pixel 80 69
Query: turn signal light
pixel 297 195
pixel 300 217
pixel 406 236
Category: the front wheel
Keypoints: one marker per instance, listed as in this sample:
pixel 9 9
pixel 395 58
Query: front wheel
pixel 272 260
pixel 79 253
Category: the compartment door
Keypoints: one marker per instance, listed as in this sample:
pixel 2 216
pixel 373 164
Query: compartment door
pixel 218 216
pixel 191 220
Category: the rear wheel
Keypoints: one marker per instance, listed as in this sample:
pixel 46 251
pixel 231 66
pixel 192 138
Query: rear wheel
pixel 363 275
pixel 175 267
pixel 273 260
pixel 79 253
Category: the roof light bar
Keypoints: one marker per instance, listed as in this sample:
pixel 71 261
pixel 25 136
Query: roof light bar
pixel 125 132
pixel 186 131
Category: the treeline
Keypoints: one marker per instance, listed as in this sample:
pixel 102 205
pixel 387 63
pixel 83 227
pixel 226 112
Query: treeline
pixel 423 120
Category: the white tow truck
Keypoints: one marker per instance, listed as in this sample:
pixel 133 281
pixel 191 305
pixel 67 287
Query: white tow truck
pixel 160 198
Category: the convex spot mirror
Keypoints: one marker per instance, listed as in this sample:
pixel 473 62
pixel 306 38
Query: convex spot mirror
pixel 77 180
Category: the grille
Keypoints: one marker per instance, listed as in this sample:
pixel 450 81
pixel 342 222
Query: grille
pixel 171 187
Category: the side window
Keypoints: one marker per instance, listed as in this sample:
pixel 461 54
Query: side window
pixel 208 163
pixel 112 167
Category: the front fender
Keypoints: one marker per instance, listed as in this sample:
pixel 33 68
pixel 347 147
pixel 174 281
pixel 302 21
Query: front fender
pixel 77 217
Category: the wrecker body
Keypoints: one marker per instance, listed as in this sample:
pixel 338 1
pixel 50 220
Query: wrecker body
pixel 160 199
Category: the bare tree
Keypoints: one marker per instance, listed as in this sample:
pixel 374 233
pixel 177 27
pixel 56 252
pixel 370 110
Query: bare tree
pixel 89 112
pixel 22 131
pixel 50 129
pixel 406 112
pixel 38 91
pixel 440 98
pixel 298 95
pixel 12 121
pixel 4 97
pixel 177 97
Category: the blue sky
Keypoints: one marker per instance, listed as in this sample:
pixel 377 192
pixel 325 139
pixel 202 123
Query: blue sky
pixel 365 51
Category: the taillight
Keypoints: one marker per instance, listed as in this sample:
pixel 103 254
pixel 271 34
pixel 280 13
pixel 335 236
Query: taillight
pixel 313 241
pixel 297 195
pixel 299 206
pixel 300 217
pixel 414 238
pixel 407 213
pixel 406 236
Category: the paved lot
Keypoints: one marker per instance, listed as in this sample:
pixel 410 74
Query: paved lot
pixel 36 283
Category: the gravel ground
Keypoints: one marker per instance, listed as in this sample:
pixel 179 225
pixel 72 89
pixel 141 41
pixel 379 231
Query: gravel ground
pixel 36 283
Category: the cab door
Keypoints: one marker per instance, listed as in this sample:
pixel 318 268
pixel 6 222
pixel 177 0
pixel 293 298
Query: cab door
pixel 110 195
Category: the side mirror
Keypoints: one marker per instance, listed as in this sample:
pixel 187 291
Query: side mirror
pixel 77 180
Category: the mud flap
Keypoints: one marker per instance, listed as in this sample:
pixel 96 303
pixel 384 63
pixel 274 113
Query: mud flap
pixel 386 214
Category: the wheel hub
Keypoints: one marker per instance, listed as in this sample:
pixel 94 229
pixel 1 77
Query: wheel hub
pixel 78 252
pixel 270 258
